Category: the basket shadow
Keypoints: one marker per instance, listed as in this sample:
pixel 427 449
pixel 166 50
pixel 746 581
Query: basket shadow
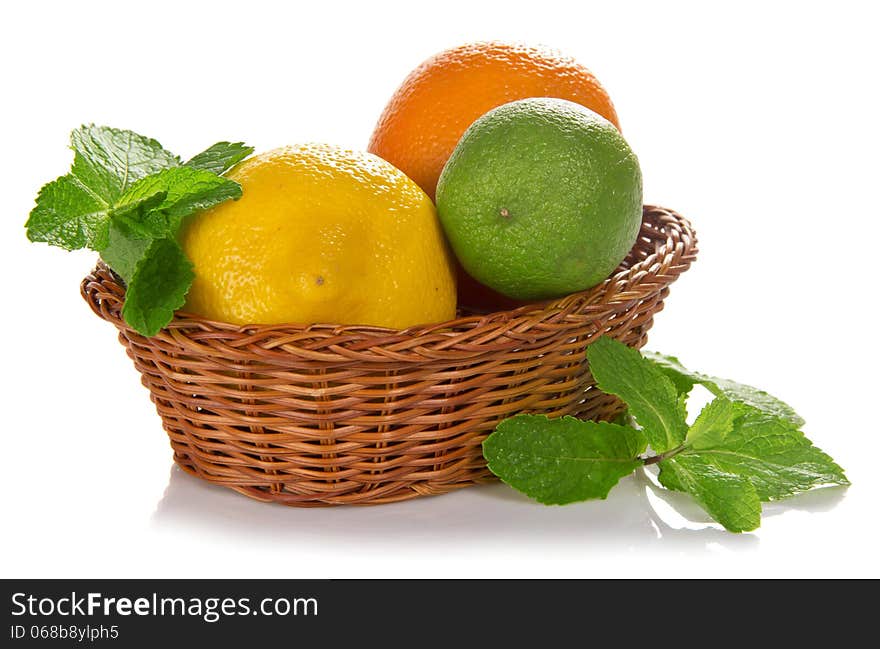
pixel 636 516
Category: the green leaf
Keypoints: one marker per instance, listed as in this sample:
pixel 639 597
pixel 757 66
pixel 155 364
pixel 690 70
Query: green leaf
pixel 713 423
pixel 651 396
pixel 563 460
pixel 685 379
pixel 186 190
pixel 137 206
pixel 69 216
pixel 158 287
pixel 139 214
pixel 670 365
pixel 153 208
pixel 125 248
pixel 220 157
pixel 74 211
pixel 624 419
pixel 753 397
pixel 772 454
pixel 730 499
pixel 109 160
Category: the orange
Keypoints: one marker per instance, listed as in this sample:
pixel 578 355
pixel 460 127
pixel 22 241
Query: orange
pixel 436 103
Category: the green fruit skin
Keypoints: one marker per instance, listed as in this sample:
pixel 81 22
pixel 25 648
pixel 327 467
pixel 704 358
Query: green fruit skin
pixel 541 198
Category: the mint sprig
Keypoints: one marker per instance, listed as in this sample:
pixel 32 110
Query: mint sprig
pixel 744 448
pixel 126 198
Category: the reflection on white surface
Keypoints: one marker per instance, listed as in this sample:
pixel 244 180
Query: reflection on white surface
pixel 636 516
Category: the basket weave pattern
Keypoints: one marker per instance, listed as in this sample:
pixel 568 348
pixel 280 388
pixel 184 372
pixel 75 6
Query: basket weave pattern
pixel 328 414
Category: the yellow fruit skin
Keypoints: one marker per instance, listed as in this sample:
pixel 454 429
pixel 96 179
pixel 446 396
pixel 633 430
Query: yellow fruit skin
pixel 321 235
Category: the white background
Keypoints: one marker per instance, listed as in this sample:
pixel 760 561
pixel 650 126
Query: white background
pixel 758 122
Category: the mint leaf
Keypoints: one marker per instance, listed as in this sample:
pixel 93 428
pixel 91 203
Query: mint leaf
pixel 136 212
pixel 753 397
pixel 669 365
pixel 713 423
pixel 180 192
pixel 154 207
pixel 220 157
pixel 68 215
pixel 730 499
pixel 108 160
pixel 771 453
pixel 685 379
pixel 651 396
pixel 158 287
pixel 74 211
pixel 137 206
pixel 184 190
pixel 564 460
pixel 125 248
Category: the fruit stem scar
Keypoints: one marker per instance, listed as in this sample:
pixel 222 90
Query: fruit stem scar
pixel 505 213
pixel 319 280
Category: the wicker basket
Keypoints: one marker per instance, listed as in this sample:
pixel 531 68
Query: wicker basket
pixel 331 415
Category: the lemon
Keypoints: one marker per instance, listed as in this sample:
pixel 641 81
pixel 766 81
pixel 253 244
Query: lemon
pixel 320 235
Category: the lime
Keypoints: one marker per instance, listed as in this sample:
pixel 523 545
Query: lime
pixel 541 197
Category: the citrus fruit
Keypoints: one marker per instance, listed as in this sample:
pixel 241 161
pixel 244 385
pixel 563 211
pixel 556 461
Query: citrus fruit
pixel 321 235
pixel 434 105
pixel 541 197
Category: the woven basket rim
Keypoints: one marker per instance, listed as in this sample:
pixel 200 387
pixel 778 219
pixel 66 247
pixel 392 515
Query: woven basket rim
pixel 674 249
